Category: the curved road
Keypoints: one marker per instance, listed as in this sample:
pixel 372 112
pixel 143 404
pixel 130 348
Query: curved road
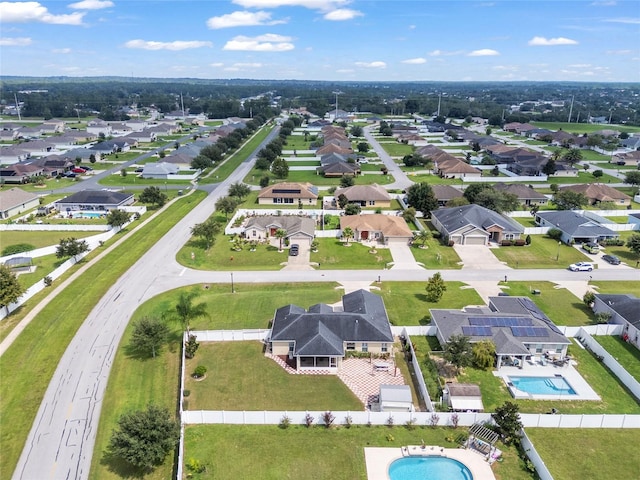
pixel 61 441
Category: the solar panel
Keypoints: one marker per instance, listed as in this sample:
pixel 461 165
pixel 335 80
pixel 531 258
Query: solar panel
pixel 476 331
pixel 529 331
pixel 501 321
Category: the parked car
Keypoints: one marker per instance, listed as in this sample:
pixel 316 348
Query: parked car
pixel 70 175
pixel 78 170
pixel 581 267
pixel 612 259
pixel 591 247
pixel 294 249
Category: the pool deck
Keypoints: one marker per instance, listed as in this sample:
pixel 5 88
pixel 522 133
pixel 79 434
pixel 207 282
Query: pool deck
pixel 572 376
pixel 379 459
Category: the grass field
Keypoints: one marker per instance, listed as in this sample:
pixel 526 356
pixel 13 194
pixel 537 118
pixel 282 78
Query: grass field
pixel 334 254
pixel 617 287
pixel 272 453
pixel 543 252
pixel 625 353
pixel 436 256
pixel 595 454
pixel 27 366
pixel 240 377
pixel 39 239
pixel 581 128
pixel 303 176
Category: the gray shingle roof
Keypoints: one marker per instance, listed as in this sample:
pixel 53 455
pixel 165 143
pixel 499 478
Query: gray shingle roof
pixel 625 305
pixel 453 219
pixel 97 197
pixel 574 224
pixel 292 224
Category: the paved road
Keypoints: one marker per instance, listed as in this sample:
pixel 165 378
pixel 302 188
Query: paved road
pixel 60 443
pixel 401 181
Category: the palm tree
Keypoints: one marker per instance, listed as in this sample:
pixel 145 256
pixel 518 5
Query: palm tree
pixel 280 234
pixel 423 236
pixel 347 233
pixel 187 311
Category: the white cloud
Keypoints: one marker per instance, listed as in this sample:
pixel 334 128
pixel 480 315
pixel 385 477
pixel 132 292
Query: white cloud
pixel 580 65
pixel 415 61
pixel 15 41
pixel 323 5
pixel 629 20
pixel 342 14
pixel 91 5
pixel 25 12
pixel 505 68
pixel 371 64
pixel 345 70
pixel 484 52
pixel 619 52
pixel 174 46
pixel 607 3
pixel 269 42
pixel 61 50
pixel 546 42
pixel 441 53
pixel 242 19
pixel 216 64
pixel 247 65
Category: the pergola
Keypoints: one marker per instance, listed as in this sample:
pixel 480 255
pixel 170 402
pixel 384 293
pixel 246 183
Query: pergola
pixel 482 440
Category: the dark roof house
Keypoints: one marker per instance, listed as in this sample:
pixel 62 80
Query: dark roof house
pixel 576 227
pixel 94 200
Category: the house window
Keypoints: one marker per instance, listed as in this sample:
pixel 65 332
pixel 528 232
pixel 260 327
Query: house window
pixel 509 236
pixel 253 233
pixel 351 346
pixel 384 348
pixel 558 349
pixel 333 362
pixel 291 346
pixel 365 347
pixel 372 202
pixel 538 348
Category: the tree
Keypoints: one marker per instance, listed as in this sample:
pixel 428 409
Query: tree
pixel 435 288
pixel 573 155
pixel 154 196
pixel 10 288
pixel 589 298
pixel 363 147
pixel 342 200
pixel 117 218
pixel 422 236
pixel 497 201
pixel 550 167
pixel 201 162
pixel 149 334
pixel 507 420
pixel 597 173
pixel 347 181
pixel 356 131
pixel 280 168
pixel 472 191
pixel 569 200
pixel 264 181
pixel 280 234
pixel 484 354
pixel 409 215
pixel 207 230
pixel 457 202
pixel 347 233
pixel 458 351
pixel 421 197
pixel 633 243
pixel 239 190
pixel 71 247
pixel 352 209
pixel 186 310
pixel 632 178
pixel 226 205
pixel 144 438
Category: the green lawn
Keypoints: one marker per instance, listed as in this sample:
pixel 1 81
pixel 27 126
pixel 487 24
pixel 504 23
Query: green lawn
pixel 625 353
pixel 396 149
pixel 272 453
pixel 312 177
pixel 27 366
pixel 558 304
pixel 38 239
pixel 580 128
pixel 583 177
pixel 436 256
pixel 617 287
pixel 333 254
pixel 593 453
pixel 543 252
pixel 132 179
pixel 43 267
pixel 240 377
pixel 406 303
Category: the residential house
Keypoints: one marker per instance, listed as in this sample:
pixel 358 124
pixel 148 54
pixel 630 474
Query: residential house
pixel 289 193
pixel 366 195
pixel 162 170
pixel 336 165
pixel 14 201
pixel 474 225
pixel 99 200
pixel 575 227
pixel 517 127
pixel 634 219
pixel 445 193
pixel 624 310
pixel 384 229
pixel 526 194
pixel 8 135
pixel 180 159
pixel 298 229
pixel 20 173
pixel 632 143
pixel 627 158
pixel 455 168
pixel 331 148
pixel 598 193
pixel 321 337
pixel 99 128
pixel 515 325
pixel 145 136
pixel 52 126
pixel 37 147
pixel 13 154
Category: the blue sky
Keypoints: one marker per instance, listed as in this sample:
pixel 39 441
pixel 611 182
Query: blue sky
pixel 339 40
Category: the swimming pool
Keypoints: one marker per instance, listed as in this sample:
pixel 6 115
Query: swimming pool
pixel 87 215
pixel 428 468
pixel 543 385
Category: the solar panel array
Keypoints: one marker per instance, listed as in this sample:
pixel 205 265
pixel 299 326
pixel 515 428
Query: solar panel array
pixel 535 311
pixel 529 331
pixel 501 321
pixel 476 331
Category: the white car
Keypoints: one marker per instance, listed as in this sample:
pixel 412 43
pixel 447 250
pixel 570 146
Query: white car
pixel 581 267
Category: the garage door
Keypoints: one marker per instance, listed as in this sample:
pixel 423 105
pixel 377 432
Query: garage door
pixel 301 240
pixel 398 241
pixel 475 241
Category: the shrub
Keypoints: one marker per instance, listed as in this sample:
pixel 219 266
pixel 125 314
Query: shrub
pixel 433 420
pixel 17 248
pixel 195 466
pixel 48 281
pixel 186 393
pixel 390 421
pixel 285 421
pixel 200 371
pixel 520 242
pixel 554 233
pixel 328 418
pixel 436 234
pixel 603 317
pixel 455 420
pixel 308 420
pixel 191 346
pixel 348 421
pixel 506 243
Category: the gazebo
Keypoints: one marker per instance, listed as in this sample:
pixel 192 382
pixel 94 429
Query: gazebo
pixel 19 264
pixel 483 440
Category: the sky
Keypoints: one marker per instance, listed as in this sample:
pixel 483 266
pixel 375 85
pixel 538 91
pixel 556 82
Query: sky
pixel 333 40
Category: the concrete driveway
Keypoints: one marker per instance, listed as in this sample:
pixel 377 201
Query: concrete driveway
pixel 479 257
pixel 403 257
pixel 300 261
pixel 596 259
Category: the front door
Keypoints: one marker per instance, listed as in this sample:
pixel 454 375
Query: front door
pixel 364 235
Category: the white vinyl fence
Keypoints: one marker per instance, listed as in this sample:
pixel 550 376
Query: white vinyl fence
pixel 231 335
pixel 541 469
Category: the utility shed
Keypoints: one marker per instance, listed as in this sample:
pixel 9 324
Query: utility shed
pixel 463 397
pixel 395 398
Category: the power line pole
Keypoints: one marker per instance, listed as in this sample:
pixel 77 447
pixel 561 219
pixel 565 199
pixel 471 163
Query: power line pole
pixel 336 93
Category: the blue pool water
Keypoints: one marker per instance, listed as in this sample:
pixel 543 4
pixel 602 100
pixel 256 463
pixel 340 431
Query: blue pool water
pixel 428 468
pixel 543 385
pixel 87 215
